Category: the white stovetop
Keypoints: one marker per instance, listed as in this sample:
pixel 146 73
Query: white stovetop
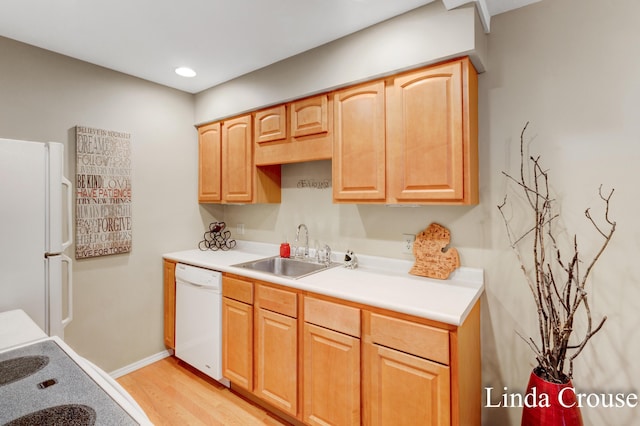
pixel 17 329
pixel 380 282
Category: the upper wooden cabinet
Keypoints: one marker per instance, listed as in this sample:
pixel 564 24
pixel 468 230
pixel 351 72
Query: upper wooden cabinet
pixel 227 173
pixel 432 147
pixel 310 116
pixel 237 157
pixel 209 161
pixel 359 144
pixel 411 138
pixel 271 124
pixel 294 132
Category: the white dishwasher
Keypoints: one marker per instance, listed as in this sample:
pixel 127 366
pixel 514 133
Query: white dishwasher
pixel 199 319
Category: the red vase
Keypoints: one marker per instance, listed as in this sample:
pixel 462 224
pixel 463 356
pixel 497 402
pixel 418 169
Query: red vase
pixel 550 404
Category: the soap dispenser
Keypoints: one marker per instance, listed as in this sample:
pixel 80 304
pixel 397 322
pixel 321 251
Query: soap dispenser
pixel 285 249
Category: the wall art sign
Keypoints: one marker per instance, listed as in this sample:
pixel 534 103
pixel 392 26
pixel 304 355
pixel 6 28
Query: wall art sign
pixel 103 192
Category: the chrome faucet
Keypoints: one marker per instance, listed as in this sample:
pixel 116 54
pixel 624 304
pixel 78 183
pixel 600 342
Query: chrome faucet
pixel 306 240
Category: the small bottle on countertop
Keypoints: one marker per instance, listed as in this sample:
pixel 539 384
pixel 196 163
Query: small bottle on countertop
pixel 285 250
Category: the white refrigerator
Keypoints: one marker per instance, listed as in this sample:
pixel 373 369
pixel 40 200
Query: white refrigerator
pixel 35 229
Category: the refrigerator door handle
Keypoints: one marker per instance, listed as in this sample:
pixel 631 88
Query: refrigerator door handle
pixel 67 184
pixel 67 260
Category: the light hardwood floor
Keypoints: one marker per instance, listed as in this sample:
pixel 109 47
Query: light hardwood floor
pixel 173 393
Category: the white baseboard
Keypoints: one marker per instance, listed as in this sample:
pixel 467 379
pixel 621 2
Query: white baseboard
pixel 139 364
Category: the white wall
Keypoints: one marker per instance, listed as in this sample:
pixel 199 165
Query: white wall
pixel 117 299
pixel 425 35
pixel 569 67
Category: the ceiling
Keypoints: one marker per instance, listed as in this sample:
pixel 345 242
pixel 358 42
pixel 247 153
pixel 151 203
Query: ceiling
pixel 219 39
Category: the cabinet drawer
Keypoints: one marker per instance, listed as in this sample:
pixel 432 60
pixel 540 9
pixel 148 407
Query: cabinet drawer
pixel 276 300
pixel 416 339
pixel 237 289
pixel 333 316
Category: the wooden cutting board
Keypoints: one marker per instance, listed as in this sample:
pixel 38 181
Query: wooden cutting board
pixel 433 259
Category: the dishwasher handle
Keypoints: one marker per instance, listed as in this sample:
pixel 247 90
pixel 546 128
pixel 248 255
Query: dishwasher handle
pixel 203 286
pixel 200 277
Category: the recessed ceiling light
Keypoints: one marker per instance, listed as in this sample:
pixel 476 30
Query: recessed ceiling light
pixel 185 72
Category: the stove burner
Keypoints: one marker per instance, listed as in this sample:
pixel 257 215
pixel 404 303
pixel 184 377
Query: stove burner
pixel 15 369
pixel 61 415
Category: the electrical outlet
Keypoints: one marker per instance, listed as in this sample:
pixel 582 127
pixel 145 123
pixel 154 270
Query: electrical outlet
pixel 407 243
pixel 240 228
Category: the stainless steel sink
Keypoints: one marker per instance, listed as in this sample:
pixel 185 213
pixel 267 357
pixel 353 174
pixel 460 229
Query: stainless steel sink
pixel 286 267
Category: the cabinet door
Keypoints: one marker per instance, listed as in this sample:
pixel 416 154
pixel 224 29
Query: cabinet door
pixel 310 116
pixel 359 144
pixel 402 389
pixel 209 172
pixel 276 360
pixel 331 377
pixel 237 342
pixel 237 160
pixel 169 304
pixel 425 147
pixel 307 135
pixel 271 124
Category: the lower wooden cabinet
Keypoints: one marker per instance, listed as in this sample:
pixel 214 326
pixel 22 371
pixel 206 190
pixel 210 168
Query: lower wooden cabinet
pixel 324 362
pixel 331 377
pixel 237 331
pixel 406 374
pixel 276 360
pixel 276 347
pixel 331 363
pixel 169 277
pixel 237 342
pixel 403 389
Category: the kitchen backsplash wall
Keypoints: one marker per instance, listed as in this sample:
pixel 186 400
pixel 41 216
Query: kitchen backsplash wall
pixel 373 229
